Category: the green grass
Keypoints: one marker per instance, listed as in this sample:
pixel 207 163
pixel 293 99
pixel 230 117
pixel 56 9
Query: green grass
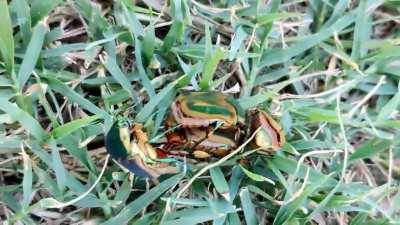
pixel 327 69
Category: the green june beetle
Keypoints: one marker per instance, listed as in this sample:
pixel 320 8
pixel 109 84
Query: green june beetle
pixel 128 145
pixel 200 125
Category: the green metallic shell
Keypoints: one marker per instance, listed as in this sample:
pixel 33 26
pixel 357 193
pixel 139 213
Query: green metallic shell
pixel 114 144
pixel 116 148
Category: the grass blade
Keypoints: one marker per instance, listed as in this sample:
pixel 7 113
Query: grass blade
pixel 23 13
pixel 286 211
pixel 73 126
pixel 338 11
pixel 177 29
pixel 220 184
pixel 391 106
pixel 370 148
pixel 256 177
pixel 133 208
pixel 60 87
pixel 29 123
pixel 275 56
pixel 271 17
pixel 216 209
pixel 116 72
pixel 41 9
pixel 210 65
pixel 136 28
pixel 57 165
pixel 148 109
pixel 211 59
pixel 235 181
pixel 361 32
pixel 248 207
pixel 32 53
pixel 27 180
pixel 6 37
pixel 236 43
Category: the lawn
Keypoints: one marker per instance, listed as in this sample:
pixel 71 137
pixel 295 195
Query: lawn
pixel 327 71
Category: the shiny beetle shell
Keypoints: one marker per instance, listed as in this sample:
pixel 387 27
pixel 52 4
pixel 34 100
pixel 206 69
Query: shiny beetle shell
pixel 196 109
pixel 207 124
pixel 195 114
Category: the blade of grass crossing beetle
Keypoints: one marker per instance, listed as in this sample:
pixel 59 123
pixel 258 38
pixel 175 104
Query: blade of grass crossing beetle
pixel 135 207
pixel 6 37
pixel 124 191
pixel 220 184
pixel 248 207
pixel 27 121
pixel 32 53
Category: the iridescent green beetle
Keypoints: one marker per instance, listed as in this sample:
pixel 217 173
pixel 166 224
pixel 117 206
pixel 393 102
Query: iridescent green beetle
pixel 128 145
pixel 203 124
